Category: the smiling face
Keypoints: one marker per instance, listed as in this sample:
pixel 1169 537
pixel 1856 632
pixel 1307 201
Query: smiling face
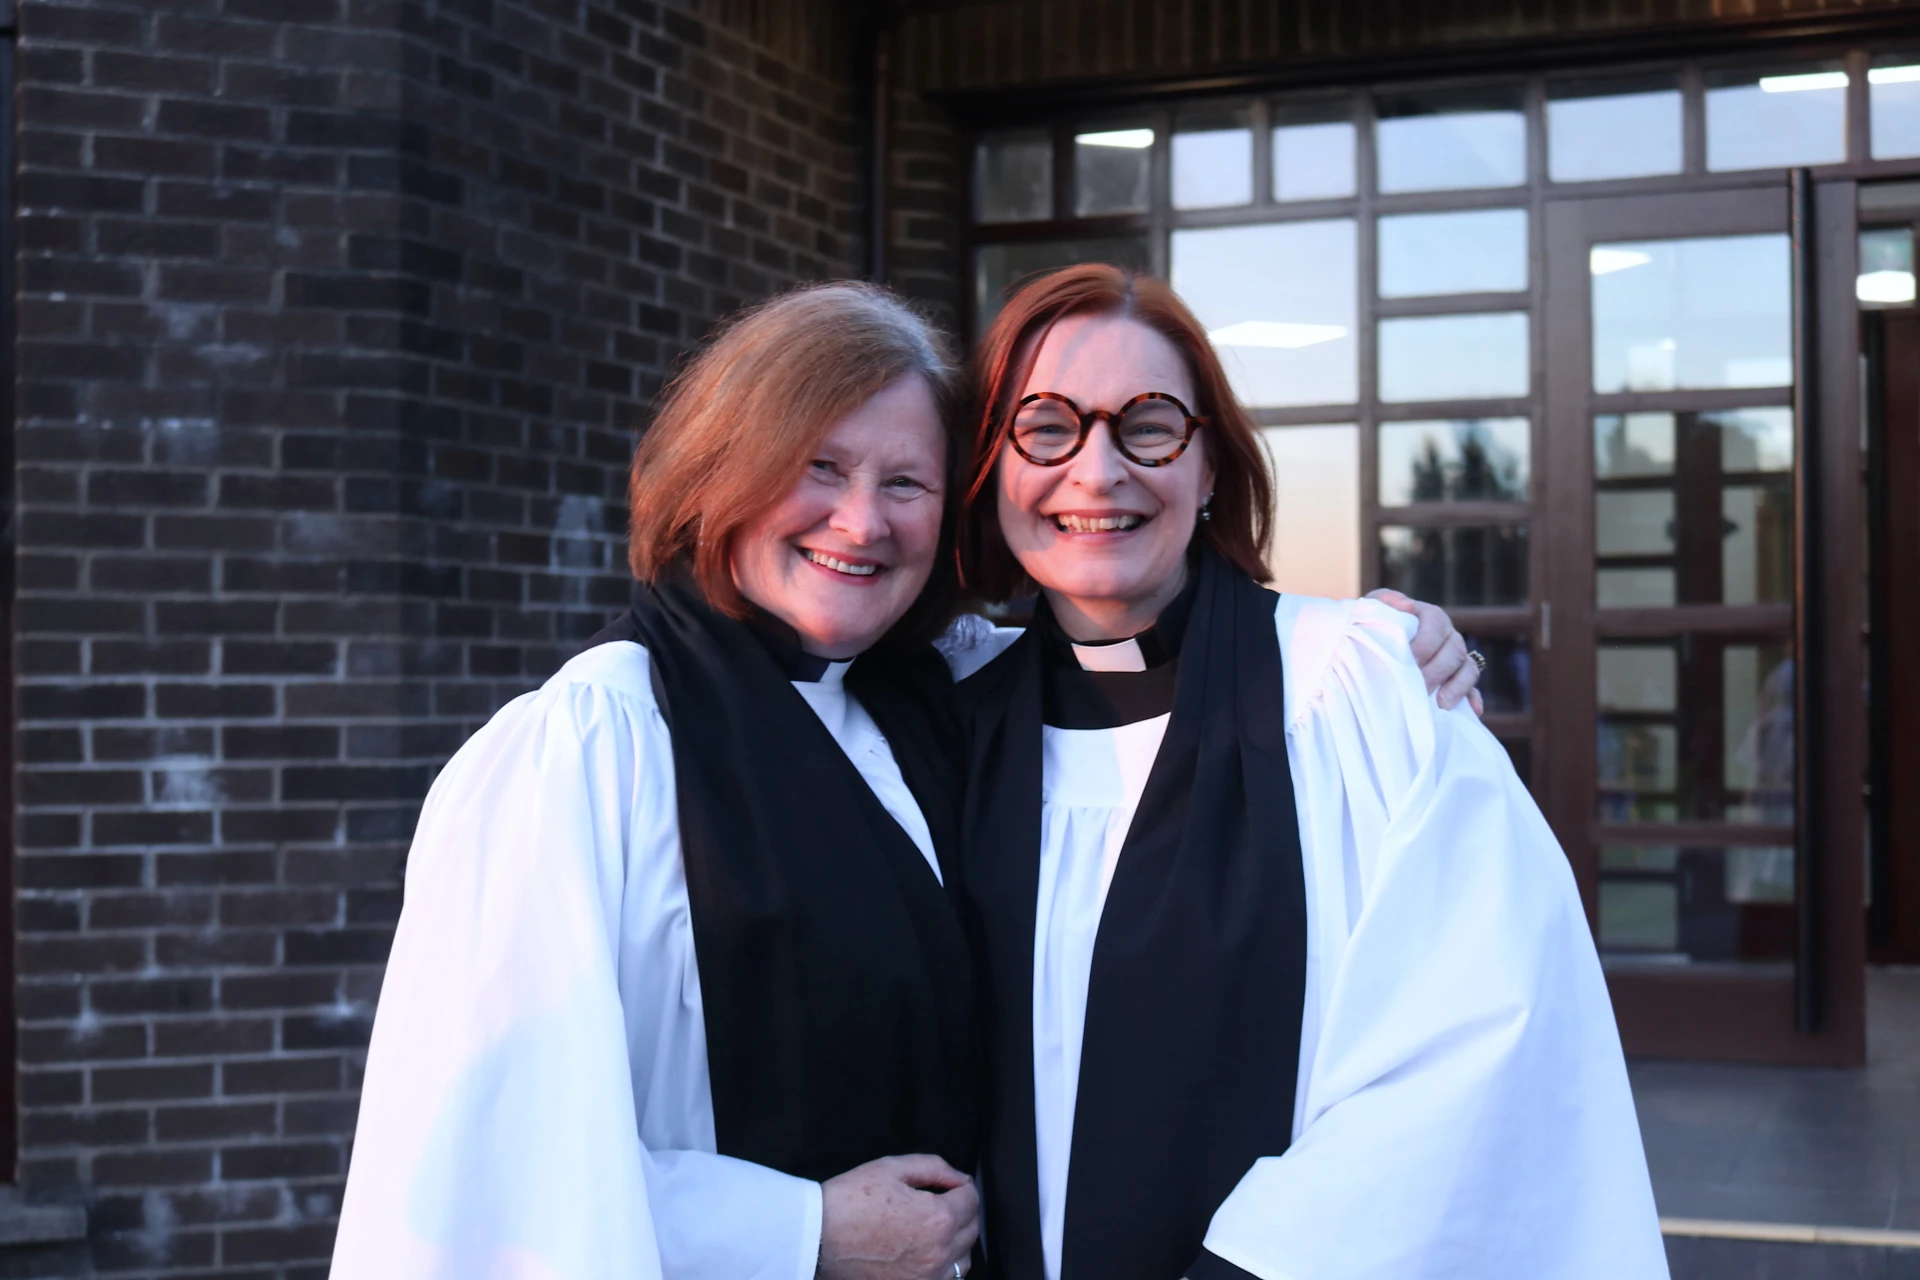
pixel 1105 538
pixel 844 554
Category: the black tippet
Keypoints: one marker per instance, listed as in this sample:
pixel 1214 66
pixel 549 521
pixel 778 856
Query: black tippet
pixel 1192 1035
pixel 834 973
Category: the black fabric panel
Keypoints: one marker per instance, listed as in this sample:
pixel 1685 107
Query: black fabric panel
pixel 1192 1035
pixel 835 975
pixel 1210 1267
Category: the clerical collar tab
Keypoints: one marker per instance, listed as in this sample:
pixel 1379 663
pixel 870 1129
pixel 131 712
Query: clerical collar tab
pixel 1120 655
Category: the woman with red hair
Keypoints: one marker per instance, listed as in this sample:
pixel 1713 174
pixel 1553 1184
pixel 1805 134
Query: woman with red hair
pixel 1284 974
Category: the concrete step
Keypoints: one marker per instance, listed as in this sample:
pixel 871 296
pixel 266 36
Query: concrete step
pixel 1778 1251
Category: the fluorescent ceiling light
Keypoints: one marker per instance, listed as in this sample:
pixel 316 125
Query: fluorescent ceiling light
pixel 1283 334
pixel 1132 139
pixel 1602 261
pixel 1803 82
pixel 1894 75
pixel 1886 287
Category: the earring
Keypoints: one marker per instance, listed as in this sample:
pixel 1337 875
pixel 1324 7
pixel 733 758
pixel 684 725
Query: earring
pixel 1206 508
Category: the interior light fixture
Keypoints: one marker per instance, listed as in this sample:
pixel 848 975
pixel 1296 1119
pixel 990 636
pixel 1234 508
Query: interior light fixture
pixel 1281 334
pixel 1887 288
pixel 1894 75
pixel 1131 139
pixel 1603 261
pixel 1803 82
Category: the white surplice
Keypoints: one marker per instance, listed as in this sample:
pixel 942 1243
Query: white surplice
pixel 1462 1108
pixel 536 1104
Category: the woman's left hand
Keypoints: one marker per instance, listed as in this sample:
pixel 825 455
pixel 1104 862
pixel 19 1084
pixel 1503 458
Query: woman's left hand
pixel 1440 651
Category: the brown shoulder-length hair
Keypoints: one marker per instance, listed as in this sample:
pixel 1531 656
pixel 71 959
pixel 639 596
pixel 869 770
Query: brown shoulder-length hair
pixel 737 426
pixel 1240 527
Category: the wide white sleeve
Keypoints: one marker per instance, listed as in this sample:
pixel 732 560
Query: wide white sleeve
pixel 501 1116
pixel 1462 1109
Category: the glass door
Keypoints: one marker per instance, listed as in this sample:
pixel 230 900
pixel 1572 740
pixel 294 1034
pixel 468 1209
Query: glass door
pixel 1669 613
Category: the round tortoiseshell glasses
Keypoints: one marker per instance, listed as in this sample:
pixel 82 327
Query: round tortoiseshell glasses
pixel 1150 430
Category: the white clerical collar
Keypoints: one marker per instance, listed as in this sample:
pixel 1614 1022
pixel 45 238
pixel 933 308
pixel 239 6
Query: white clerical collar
pixel 1117 655
pixel 836 673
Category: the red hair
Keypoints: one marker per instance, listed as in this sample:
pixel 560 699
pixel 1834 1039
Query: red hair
pixel 1241 527
pixel 737 426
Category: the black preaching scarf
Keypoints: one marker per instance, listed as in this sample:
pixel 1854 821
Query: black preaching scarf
pixel 1192 1037
pixel 833 969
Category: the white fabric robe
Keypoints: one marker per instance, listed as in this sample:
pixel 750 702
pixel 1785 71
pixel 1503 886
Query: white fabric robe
pixel 536 1104
pixel 1462 1108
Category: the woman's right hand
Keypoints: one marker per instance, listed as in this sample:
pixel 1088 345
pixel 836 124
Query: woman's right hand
pixel 898 1218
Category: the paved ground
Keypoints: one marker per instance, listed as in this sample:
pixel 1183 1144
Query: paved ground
pixel 1794 1145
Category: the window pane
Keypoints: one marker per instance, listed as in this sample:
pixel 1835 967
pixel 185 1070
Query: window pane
pixel 1682 314
pixel 1280 302
pixel 1613 129
pixel 1481 251
pixel 1458 460
pixel 1893 90
pixel 1775 118
pixel 1454 357
pixel 1212 160
pixel 1697 729
pixel 1013 178
pixel 1456 567
pixel 1447 141
pixel 1506 685
pixel 1886 268
pixel 1758 733
pixel 1111 167
pixel 1697 904
pixel 1313 157
pixel 1316 526
pixel 997 266
pixel 1693 508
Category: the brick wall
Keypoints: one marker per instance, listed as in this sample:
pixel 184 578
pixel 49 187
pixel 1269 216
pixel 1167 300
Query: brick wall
pixel 335 321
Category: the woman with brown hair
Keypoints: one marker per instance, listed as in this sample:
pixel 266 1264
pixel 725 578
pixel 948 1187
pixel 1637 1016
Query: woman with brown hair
pixel 1284 974
pixel 755 768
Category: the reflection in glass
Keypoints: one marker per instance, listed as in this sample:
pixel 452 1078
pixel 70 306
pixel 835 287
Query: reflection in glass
pixel 1473 251
pixel 1633 522
pixel 1313 155
pixel 1212 160
pixel 1674 315
pixel 1013 178
pixel 1613 129
pixel 1111 169
pixel 1893 92
pixel 1469 357
pixel 1697 904
pixel 997 266
pixel 1316 516
pixel 1447 141
pixel 1776 118
pixel 1633 588
pixel 1630 445
pixel 1639 914
pixel 1459 566
pixel 1643 677
pixel 1693 508
pixel 1696 729
pixel 1886 268
pixel 1280 301
pixel 1757 734
pixel 1459 460
pixel 1506 685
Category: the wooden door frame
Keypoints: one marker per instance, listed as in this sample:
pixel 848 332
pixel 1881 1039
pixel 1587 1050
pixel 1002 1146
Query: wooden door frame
pixel 1726 1014
pixel 1895 459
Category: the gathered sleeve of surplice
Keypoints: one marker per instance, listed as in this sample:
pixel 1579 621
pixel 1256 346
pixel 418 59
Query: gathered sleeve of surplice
pixel 1462 1107
pixel 536 1100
